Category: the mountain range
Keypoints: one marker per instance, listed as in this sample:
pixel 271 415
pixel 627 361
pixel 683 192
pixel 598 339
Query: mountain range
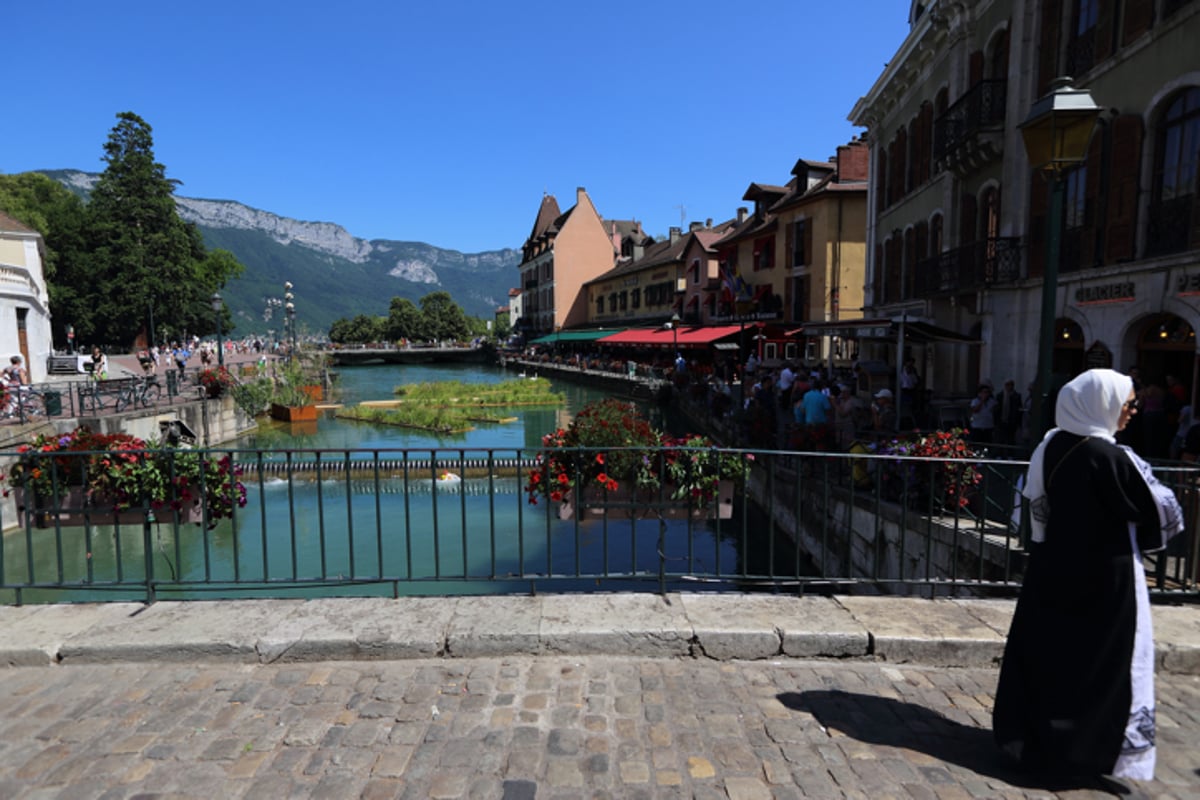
pixel 334 274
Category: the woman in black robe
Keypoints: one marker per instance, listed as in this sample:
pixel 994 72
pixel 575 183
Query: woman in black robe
pixel 1076 688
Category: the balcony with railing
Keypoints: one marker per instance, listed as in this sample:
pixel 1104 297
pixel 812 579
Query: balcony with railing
pixel 970 268
pixel 970 134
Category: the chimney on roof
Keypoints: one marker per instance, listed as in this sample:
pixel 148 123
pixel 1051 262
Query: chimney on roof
pixel 638 252
pixel 853 161
pixel 580 193
pixel 708 222
pixel 695 225
pixel 675 233
pixel 742 213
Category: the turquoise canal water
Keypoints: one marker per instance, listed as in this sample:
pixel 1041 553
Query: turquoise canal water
pixel 337 532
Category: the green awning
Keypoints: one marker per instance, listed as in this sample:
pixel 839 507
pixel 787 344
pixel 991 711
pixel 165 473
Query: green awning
pixel 576 336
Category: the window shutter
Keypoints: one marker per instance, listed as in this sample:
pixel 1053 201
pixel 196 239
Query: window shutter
pixel 1088 255
pixel 881 181
pixel 807 243
pixel 975 68
pixel 1104 32
pixel 966 221
pixel 926 140
pixel 1048 44
pixel 789 243
pixel 1120 240
pixel 1194 239
pixel 877 290
pixel 1139 16
pixel 1039 203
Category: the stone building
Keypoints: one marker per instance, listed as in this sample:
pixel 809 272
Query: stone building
pixel 957 222
pixel 24 302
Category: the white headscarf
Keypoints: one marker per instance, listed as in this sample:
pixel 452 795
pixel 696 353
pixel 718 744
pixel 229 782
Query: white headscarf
pixel 1090 405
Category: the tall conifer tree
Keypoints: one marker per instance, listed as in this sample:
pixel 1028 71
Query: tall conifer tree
pixel 145 262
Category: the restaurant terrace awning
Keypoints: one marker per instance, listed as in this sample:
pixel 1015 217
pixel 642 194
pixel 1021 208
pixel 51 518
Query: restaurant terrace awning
pixel 576 336
pixel 668 337
pixel 915 332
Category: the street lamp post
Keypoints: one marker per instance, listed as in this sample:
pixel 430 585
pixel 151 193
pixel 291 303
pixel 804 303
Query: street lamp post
pixel 1057 133
pixel 217 305
pixel 289 308
pixel 674 325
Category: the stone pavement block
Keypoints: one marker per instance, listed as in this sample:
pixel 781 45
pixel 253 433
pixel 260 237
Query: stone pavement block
pixel 1177 638
pixel 181 631
pixel 728 626
pixel 817 627
pixel 628 624
pixel 938 633
pixel 996 614
pixel 34 635
pixel 485 626
pixel 362 628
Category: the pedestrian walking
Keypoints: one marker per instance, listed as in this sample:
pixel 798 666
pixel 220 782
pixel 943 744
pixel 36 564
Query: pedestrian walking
pixel 1076 687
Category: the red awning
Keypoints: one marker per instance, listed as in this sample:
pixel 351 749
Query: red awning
pixel 683 336
pixel 638 336
pixel 696 337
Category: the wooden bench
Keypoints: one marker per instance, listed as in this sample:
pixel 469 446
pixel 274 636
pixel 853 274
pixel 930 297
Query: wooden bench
pixel 93 395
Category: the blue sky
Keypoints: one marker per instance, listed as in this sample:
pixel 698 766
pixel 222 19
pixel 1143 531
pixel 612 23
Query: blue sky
pixel 445 122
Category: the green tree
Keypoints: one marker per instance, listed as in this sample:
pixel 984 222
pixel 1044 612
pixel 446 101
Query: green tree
pixel 50 209
pixel 444 319
pixel 403 320
pixel 143 259
pixel 359 330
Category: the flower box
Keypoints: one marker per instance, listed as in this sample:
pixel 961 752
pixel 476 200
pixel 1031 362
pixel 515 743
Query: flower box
pixel 75 509
pixel 315 392
pixel 293 413
pixel 646 504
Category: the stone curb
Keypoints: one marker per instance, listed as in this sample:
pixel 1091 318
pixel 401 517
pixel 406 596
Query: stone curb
pixel 965 633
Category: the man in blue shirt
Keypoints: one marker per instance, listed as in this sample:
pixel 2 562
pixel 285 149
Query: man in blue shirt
pixel 816 405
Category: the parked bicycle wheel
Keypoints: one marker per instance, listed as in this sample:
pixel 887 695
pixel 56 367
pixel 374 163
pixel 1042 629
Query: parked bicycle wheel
pixel 151 395
pixel 32 404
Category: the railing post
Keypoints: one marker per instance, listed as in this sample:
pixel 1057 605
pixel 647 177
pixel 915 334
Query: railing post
pixel 148 555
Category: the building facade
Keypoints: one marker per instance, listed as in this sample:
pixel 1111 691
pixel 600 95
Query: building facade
pixel 958 221
pixel 24 302
pixel 563 251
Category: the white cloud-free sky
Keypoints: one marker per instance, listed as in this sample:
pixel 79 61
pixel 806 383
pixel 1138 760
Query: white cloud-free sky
pixel 445 122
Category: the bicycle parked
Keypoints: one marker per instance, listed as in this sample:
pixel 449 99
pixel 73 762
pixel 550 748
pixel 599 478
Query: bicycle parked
pixel 145 391
pixel 22 402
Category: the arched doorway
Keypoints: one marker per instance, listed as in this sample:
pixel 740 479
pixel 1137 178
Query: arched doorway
pixel 1166 345
pixel 1069 359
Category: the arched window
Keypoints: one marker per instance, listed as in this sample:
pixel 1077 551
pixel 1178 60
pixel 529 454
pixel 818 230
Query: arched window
pixel 1174 214
pixel 998 64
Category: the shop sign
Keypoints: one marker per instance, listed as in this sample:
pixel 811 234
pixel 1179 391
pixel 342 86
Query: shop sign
pixel 1106 293
pixel 1187 285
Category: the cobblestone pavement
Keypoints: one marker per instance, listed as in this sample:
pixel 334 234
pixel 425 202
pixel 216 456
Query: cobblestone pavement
pixel 524 727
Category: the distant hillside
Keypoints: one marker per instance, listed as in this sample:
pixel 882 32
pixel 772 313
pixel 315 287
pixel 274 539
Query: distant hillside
pixel 335 274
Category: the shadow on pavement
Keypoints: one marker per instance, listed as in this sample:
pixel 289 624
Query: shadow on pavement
pixel 894 723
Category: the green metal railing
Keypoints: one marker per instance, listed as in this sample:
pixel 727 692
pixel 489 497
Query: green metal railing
pixel 444 522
